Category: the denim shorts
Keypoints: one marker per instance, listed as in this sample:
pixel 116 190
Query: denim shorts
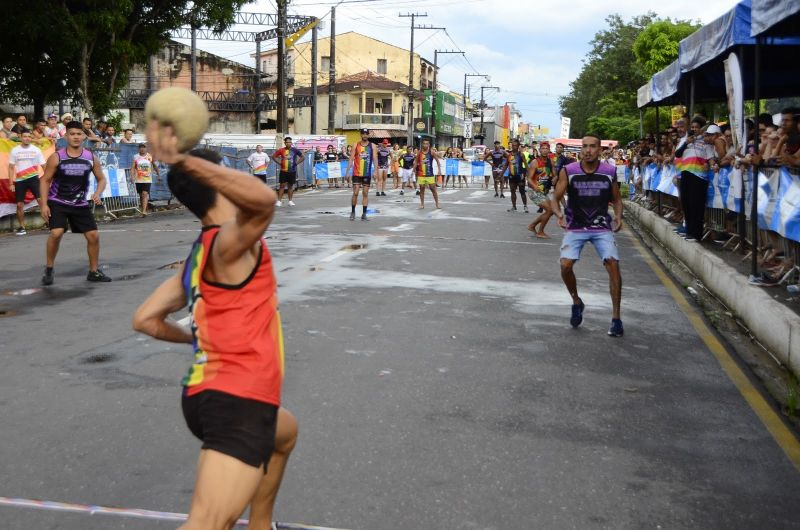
pixel 603 241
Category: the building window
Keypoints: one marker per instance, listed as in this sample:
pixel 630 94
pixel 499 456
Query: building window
pixel 370 106
pixel 326 64
pixel 382 66
pixel 387 106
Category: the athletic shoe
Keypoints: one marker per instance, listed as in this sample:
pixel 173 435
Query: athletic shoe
pixel 501 196
pixel 97 276
pixel 577 315
pixel 616 328
pixel 278 203
pixel 681 230
pixel 512 209
pixel 291 203
pixel 526 210
pixel 21 231
pixel 47 279
pixel 495 194
pixel 377 194
pixel 383 194
pixel 401 192
pixel 352 216
pixel 417 192
pixel 691 239
pixel 364 216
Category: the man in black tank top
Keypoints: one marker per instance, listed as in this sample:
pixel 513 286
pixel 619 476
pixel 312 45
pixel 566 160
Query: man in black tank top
pixel 65 184
pixel 590 186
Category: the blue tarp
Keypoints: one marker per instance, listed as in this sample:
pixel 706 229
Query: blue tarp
pixel 773 15
pixel 717 37
pixel 665 82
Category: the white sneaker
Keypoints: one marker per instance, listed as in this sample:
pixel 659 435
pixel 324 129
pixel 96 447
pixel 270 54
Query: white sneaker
pixel 278 203
pixel 291 203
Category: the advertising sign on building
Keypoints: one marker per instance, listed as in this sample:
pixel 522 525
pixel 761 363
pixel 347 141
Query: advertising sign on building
pixel 467 128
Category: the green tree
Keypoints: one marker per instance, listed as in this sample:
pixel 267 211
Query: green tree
pixel 610 68
pixel 657 45
pixel 95 43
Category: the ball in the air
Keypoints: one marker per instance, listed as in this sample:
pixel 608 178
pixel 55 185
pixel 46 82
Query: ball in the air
pixel 183 110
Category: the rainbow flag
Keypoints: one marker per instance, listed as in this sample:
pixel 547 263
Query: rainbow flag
pixel 692 164
pixel 28 173
pixel 260 169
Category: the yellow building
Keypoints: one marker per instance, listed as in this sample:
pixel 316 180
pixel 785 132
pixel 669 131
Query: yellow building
pixel 358 57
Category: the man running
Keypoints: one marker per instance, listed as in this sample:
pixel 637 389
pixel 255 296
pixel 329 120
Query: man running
pixel 287 158
pixel 407 170
pixel 363 161
pixel 65 184
pixel 258 162
pixel 497 158
pixel 141 174
pixel 24 167
pixel 231 398
pixel 590 186
pixel 384 154
pixel 423 169
pixel 517 167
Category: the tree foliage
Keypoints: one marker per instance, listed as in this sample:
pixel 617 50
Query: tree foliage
pixel 602 98
pixel 657 45
pixel 97 42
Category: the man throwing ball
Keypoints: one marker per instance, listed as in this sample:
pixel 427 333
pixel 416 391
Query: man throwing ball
pixel 231 395
pixel 590 186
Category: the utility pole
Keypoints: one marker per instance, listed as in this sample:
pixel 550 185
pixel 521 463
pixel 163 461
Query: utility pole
pixel 257 87
pixel 413 17
pixel 435 88
pixel 194 58
pixel 483 106
pixel 332 76
pixel 314 79
pixel 282 123
pixel 486 77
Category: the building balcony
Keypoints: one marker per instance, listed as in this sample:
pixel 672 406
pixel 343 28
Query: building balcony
pixel 385 121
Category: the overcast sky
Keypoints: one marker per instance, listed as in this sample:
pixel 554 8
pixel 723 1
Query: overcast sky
pixel 530 49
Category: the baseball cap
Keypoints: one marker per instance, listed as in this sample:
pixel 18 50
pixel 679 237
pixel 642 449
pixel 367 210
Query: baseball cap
pixel 52 115
pixel 713 129
pixel 364 131
pixel 66 116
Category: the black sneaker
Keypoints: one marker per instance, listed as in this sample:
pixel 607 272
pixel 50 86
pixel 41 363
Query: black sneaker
pixel 577 315
pixel 512 209
pixel 352 216
pixel 364 216
pixel 401 192
pixel 495 194
pixel 21 231
pixel 377 194
pixel 47 279
pixel 97 276
pixel 616 328
pixel 417 192
pixel 502 196
pixel 383 194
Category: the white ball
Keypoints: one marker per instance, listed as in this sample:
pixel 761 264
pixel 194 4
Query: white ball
pixel 183 110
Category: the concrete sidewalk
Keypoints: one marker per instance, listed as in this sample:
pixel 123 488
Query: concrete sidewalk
pixel 773 324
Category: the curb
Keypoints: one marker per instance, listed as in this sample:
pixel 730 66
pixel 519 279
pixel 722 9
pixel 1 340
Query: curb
pixel 775 325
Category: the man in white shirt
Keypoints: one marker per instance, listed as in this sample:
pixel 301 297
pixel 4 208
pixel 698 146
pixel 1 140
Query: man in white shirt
pixel 24 167
pixel 258 162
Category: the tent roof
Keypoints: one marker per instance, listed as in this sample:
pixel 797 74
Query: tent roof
pixel 780 17
pixel 715 38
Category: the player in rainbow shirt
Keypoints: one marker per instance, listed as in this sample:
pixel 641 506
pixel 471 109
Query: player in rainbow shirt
pixel 423 169
pixel 363 161
pixel 287 158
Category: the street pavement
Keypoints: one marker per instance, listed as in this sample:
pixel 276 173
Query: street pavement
pixel 431 366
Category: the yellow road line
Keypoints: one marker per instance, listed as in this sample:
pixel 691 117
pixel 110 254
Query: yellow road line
pixel 785 438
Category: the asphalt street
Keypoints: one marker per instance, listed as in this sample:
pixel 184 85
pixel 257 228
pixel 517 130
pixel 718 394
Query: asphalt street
pixel 430 363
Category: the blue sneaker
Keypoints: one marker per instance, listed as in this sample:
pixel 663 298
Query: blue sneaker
pixel 681 231
pixel 577 314
pixel 616 328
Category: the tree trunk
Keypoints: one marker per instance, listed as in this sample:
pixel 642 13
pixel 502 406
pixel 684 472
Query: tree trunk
pixel 84 85
pixel 38 108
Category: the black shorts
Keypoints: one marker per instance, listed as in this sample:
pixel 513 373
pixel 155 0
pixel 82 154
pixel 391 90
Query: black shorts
pixel 362 181
pixel 22 186
pixel 143 186
pixel 80 218
pixel 238 427
pixel 284 177
pixel 518 181
pixel 262 177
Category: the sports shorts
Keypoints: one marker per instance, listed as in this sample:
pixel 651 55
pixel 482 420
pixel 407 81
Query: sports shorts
pixel 362 181
pixel 603 241
pixel 287 177
pixel 234 426
pixel 518 181
pixel 385 167
pixel 426 181
pixel 143 186
pixel 80 218
pixel 407 175
pixel 22 186
pixel 261 176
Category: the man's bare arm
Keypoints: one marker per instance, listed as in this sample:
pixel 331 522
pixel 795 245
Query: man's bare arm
pixel 44 185
pixel 151 317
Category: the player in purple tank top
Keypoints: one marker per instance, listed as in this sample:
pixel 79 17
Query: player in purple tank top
pixel 66 185
pixel 590 186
